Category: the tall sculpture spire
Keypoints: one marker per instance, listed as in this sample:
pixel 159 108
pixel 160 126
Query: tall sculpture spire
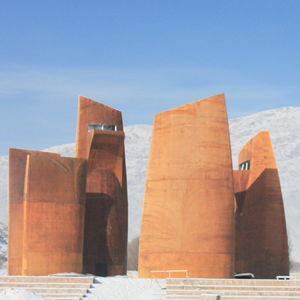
pixel 100 139
pixel 188 213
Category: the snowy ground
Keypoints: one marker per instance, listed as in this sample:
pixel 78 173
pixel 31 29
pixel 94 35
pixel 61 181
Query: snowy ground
pixel 118 287
pixel 19 294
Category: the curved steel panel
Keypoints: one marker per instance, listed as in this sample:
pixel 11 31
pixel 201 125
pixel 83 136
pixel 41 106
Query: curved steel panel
pixel 54 208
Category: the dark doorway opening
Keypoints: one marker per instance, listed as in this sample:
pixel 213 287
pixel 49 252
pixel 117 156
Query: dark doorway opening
pixel 101 269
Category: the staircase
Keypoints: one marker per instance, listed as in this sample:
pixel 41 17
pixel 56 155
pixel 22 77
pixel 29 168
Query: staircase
pixel 239 289
pixel 51 287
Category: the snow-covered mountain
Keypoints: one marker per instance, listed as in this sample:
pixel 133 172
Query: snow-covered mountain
pixel 3 247
pixel 284 127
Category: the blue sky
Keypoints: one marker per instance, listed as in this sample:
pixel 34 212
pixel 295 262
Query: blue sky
pixel 141 57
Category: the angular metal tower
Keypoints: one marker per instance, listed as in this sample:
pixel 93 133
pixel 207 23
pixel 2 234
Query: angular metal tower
pixel 100 139
pixel 261 236
pixel 188 213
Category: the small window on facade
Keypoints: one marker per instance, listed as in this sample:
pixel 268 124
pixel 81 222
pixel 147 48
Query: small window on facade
pixel 102 126
pixel 245 165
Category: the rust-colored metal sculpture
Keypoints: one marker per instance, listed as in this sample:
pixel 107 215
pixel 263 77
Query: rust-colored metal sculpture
pixel 70 214
pixel 188 213
pixel 261 236
pixel 46 213
pixel 106 219
pixel 54 208
pixel 17 167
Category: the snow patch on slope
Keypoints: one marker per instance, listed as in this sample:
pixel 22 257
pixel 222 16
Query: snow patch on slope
pixel 3 248
pixel 19 294
pixel 137 146
pixel 3 188
pixel 66 150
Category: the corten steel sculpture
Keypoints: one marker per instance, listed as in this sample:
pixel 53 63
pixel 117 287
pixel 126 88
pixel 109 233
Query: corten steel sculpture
pixel 106 218
pixel 17 167
pixel 188 213
pixel 261 236
pixel 46 213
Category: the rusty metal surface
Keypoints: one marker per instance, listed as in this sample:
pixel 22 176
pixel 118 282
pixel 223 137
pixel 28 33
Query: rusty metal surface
pixel 47 234
pixel 261 236
pixel 47 201
pixel 17 167
pixel 188 213
pixel 106 219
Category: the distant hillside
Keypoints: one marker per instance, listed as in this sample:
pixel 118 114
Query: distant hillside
pixel 284 127
pixel 3 246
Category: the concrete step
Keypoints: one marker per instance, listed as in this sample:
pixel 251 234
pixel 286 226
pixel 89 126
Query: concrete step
pixel 51 287
pixel 244 282
pixel 235 293
pixel 237 289
pixel 233 287
pixel 258 293
pixel 185 292
pixel 57 285
pixel 259 298
pixel 53 290
pixel 61 295
pixel 63 298
pixel 237 297
pixel 48 279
